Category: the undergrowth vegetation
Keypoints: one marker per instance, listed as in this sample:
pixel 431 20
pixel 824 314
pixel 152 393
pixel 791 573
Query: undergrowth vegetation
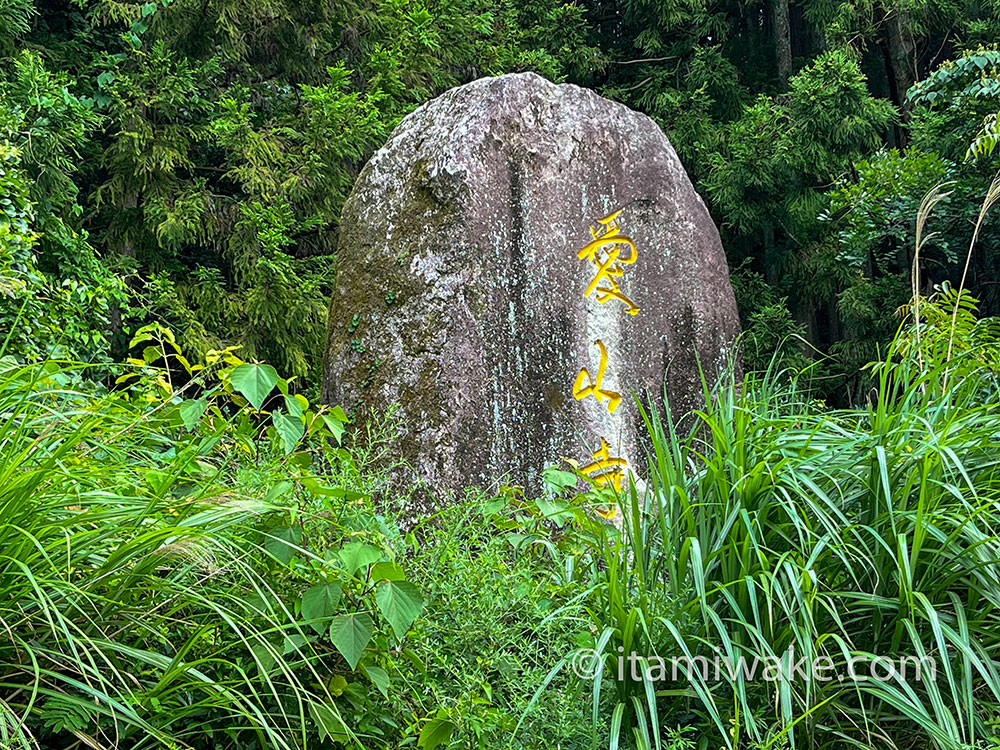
pixel 196 555
pixel 191 559
pixel 775 531
pixel 207 572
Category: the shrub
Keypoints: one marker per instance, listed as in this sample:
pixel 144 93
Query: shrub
pixel 172 571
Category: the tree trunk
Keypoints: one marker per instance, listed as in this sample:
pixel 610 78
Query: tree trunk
pixel 771 260
pixel 782 39
pixel 901 49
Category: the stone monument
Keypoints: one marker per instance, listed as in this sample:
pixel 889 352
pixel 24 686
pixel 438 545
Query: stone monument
pixel 517 261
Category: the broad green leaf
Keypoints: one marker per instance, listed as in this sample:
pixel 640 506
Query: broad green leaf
pixel 294 643
pixel 400 602
pixel 290 429
pixel 301 460
pixel 357 555
pixel 436 732
pixel 293 405
pixel 557 511
pixel 318 603
pixel 491 508
pixel 335 426
pixel 254 382
pixel 387 571
pixel 557 480
pixel 158 480
pixel 351 634
pixel 263 657
pixel 318 488
pixel 278 490
pixel 379 678
pixel 329 722
pixel 282 543
pixel 192 411
pixel 337 684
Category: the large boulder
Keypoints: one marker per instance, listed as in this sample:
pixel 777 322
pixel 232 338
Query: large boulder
pixel 505 229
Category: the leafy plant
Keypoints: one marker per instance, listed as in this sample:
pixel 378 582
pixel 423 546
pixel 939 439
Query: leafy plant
pixel 148 601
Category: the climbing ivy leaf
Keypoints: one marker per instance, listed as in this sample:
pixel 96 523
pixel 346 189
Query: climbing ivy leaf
pixel 290 429
pixel 254 382
pixel 400 602
pixel 351 634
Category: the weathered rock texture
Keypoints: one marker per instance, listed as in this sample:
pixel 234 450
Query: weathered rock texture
pixel 460 296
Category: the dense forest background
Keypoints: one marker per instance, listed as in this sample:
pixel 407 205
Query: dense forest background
pixel 186 161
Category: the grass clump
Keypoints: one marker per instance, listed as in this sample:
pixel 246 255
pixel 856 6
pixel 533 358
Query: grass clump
pixel 776 524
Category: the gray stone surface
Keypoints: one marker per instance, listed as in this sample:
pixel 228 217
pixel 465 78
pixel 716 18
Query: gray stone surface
pixel 459 293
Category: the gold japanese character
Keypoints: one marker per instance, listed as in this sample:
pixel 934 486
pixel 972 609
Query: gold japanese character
pixel 604 251
pixel 614 292
pixel 586 385
pixel 604 460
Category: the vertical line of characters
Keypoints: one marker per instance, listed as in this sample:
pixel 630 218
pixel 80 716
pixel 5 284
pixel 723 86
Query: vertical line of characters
pixel 609 252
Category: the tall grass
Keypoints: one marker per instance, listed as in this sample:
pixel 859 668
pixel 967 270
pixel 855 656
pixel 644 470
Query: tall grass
pixel 131 612
pixel 773 523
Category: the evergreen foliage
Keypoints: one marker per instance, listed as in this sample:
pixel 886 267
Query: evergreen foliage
pixel 187 161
